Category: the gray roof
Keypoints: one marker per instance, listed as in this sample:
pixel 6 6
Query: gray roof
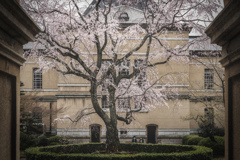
pixel 30 45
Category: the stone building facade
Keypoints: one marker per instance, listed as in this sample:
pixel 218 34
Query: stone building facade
pixel 16 29
pixel 225 31
pixel 68 95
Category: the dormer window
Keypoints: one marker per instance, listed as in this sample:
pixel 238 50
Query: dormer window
pixel 123 17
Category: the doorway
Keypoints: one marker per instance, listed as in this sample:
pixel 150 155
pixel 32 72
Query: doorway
pixel 151 134
pixel 95 133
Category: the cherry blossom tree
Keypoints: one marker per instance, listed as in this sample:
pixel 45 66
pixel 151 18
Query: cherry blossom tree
pixel 93 44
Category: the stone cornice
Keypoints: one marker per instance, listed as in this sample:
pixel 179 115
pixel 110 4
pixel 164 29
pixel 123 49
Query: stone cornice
pixel 17 23
pixel 11 54
pixel 231 57
pixel 226 25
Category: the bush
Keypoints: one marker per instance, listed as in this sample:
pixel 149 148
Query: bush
pixel 58 140
pixel 217 147
pixel 26 141
pixel 42 141
pixel 187 137
pixel 194 140
pixel 158 152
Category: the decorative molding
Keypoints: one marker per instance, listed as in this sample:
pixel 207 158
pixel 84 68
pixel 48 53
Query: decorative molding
pixel 11 54
pixel 192 63
pixel 225 26
pixel 19 25
pixel 39 90
pixel 177 85
pixel 231 57
pixel 73 85
pixel 212 90
pixel 72 96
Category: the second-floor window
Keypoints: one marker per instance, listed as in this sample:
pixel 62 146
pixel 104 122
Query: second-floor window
pixel 105 103
pixel 141 78
pixel 124 68
pixel 124 103
pixel 105 65
pixel 37 78
pixel 140 103
pixel 208 79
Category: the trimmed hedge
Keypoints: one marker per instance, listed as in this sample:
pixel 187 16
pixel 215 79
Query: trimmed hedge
pixel 26 141
pixel 143 152
pixel 194 140
pixel 217 147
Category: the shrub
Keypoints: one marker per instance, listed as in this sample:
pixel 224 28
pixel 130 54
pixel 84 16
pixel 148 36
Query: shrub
pixel 42 141
pixel 217 147
pixel 26 141
pixel 58 140
pixel 187 137
pixel 194 140
pixel 158 152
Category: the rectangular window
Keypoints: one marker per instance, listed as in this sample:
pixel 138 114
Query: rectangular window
pixel 208 78
pixel 105 64
pixel 37 78
pixel 124 103
pixel 124 68
pixel 105 103
pixel 138 64
pixel 140 104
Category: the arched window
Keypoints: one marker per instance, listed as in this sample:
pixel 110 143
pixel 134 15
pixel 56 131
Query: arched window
pixel 37 115
pixel 123 16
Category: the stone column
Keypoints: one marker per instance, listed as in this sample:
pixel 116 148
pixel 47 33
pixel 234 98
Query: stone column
pixel 225 31
pixel 16 29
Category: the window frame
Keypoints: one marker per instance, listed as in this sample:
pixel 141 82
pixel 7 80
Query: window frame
pixel 124 68
pixel 104 88
pixel 126 100
pixel 208 78
pixel 105 102
pixel 37 82
pixel 142 76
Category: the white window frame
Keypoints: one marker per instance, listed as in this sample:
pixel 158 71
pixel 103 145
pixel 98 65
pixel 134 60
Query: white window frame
pixel 37 78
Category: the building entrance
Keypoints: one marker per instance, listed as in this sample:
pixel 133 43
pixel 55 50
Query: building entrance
pixel 151 133
pixel 95 133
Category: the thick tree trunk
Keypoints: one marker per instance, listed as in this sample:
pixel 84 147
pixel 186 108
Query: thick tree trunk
pixel 112 142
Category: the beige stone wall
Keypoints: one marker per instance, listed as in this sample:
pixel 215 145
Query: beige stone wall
pixel 49 79
pixel 166 117
pixel 73 95
pixel 197 108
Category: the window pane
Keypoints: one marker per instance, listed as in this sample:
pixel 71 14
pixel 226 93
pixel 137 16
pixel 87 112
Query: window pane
pixel 124 68
pixel 123 103
pixel 37 78
pixel 105 102
pixel 141 77
pixel 208 79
